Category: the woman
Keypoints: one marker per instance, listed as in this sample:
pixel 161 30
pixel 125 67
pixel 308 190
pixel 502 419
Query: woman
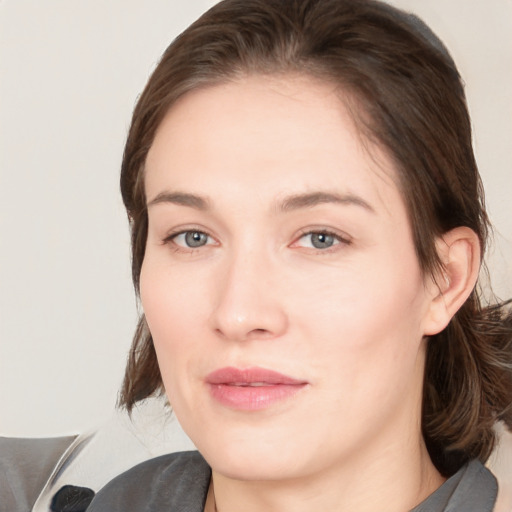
pixel 307 231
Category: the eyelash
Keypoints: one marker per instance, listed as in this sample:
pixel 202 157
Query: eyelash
pixel 338 240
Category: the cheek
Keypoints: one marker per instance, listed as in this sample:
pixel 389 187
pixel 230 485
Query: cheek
pixel 172 306
pixel 167 294
pixel 364 321
pixel 361 297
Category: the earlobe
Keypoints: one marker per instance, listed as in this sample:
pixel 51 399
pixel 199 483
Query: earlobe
pixel 459 251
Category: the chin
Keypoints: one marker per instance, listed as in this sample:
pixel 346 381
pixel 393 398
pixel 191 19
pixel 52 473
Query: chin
pixel 253 467
pixel 255 455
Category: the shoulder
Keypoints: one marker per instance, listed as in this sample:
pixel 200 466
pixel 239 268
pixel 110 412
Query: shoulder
pixel 178 480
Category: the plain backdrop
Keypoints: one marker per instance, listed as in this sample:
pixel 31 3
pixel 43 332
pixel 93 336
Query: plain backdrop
pixel 70 73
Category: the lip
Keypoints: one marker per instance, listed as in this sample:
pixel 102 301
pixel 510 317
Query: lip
pixel 251 389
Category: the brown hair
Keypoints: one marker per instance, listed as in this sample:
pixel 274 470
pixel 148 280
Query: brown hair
pixel 408 98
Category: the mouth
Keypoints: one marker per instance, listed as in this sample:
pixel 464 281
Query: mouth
pixel 251 389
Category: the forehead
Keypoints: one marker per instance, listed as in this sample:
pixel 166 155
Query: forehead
pixel 268 135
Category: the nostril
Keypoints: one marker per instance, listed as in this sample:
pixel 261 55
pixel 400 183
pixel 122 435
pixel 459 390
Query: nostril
pixel 260 334
pixel 252 334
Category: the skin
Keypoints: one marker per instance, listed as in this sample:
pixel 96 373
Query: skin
pixel 350 319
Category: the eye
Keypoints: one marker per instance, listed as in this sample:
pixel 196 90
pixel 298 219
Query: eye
pixel 190 239
pixel 320 240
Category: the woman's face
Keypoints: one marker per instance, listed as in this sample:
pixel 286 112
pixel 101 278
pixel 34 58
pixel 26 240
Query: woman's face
pixel 280 281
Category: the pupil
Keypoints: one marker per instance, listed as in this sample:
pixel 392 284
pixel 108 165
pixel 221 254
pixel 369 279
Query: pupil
pixel 195 239
pixel 321 240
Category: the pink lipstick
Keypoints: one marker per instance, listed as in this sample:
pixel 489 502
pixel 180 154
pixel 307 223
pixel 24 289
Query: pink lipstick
pixel 251 389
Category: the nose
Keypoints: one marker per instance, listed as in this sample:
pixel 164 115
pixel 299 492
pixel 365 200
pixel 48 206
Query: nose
pixel 248 301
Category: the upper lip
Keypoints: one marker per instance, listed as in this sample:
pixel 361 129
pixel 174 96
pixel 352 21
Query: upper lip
pixel 247 376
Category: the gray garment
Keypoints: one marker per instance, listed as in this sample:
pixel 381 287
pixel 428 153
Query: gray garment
pixel 25 466
pixel 170 483
pixel 472 489
pixel 179 483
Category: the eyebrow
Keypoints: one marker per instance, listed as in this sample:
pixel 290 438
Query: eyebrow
pixel 290 203
pixel 182 199
pixel 309 200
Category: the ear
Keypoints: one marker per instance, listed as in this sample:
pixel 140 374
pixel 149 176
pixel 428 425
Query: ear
pixel 459 252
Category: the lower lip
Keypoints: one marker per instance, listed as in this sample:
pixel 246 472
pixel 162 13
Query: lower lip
pixel 253 398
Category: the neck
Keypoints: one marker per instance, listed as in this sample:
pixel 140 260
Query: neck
pixel 394 478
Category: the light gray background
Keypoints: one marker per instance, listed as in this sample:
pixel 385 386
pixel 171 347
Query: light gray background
pixel 70 72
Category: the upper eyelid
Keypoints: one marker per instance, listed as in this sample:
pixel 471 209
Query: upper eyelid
pixel 186 229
